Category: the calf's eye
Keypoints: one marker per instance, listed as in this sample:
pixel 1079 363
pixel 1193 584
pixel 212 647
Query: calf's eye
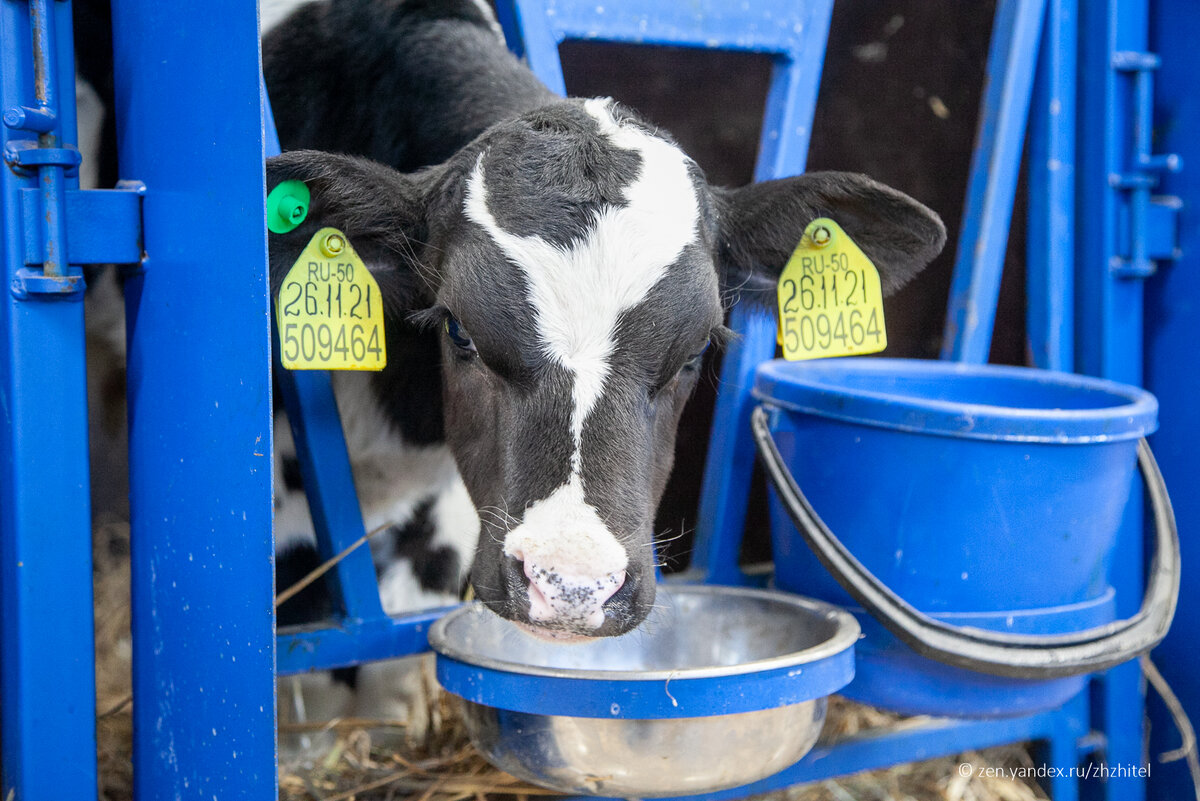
pixel 459 336
pixel 696 359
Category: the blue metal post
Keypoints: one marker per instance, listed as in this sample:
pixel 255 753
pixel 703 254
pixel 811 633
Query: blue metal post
pixel 1172 319
pixel 47 673
pixel 1050 236
pixel 1109 319
pixel 1109 322
pixel 190 128
pixel 992 185
pixel 783 151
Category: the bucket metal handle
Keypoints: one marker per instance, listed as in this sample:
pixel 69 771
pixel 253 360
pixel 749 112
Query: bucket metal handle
pixel 1027 656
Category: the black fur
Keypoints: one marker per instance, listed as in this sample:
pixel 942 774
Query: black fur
pixel 436 569
pixel 551 173
pixel 312 603
pixel 403 82
pixel 292 478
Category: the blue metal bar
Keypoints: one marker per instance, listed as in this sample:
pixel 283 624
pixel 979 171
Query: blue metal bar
pixel 322 648
pixel 1050 237
pixel 937 738
pixel 768 26
pixel 47 676
pixel 200 444
pixel 528 33
pixel 1063 750
pixel 329 486
pixel 992 185
pixel 783 150
pixel 1109 326
pixel 1109 321
pixel 102 226
pixel 1172 319
pixel 333 504
pixel 725 492
pixel 50 177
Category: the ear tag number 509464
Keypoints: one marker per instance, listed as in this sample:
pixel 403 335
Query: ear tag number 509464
pixel 329 309
pixel 830 298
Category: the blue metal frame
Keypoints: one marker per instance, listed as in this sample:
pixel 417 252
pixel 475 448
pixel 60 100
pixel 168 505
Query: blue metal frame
pixel 1117 173
pixel 48 704
pixel 199 392
pixel 200 403
pixel 992 184
pixel 1172 318
pixel 1050 238
pixel 1063 730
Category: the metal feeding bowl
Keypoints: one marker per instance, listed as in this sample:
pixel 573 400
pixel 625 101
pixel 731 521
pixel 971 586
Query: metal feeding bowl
pixel 719 687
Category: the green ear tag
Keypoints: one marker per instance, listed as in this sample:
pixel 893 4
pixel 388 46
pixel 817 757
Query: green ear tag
pixel 287 206
pixel 329 310
pixel 830 297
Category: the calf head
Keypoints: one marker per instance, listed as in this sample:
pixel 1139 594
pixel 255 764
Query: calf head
pixel 576 265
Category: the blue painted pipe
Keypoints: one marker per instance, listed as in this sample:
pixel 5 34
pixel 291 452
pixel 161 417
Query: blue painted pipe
pixel 199 391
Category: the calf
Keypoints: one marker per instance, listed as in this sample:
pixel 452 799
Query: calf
pixel 552 270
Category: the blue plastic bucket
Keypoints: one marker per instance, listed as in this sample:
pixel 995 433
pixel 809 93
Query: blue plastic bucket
pixel 984 496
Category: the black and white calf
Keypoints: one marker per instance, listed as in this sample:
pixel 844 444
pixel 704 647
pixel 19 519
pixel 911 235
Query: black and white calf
pixel 553 270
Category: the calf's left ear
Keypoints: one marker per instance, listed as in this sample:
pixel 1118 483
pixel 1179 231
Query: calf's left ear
pixel 381 211
pixel 761 224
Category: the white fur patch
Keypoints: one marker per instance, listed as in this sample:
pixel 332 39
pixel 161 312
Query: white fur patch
pixel 391 475
pixel 273 12
pixel 584 543
pixel 486 10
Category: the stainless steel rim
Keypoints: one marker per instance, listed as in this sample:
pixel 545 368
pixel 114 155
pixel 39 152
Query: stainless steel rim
pixel 845 635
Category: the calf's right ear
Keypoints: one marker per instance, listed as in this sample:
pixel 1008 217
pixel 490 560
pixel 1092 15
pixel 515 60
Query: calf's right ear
pixel 761 224
pixel 381 211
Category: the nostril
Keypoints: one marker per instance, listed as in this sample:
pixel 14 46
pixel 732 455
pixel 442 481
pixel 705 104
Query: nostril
pixel 540 607
pixel 610 586
pixel 622 596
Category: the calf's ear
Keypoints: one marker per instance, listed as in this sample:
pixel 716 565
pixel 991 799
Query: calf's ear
pixel 381 211
pixel 761 224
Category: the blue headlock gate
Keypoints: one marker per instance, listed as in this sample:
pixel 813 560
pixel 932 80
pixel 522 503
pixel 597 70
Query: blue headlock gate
pixel 1083 79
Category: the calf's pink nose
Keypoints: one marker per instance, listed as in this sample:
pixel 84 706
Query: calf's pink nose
pixel 560 597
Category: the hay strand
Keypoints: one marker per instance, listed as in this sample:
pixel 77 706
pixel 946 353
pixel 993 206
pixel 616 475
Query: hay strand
pixel 326 566
pixel 1187 748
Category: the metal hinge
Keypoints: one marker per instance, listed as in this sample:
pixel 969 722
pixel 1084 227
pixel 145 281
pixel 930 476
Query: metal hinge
pixel 101 226
pixel 62 228
pixel 1149 224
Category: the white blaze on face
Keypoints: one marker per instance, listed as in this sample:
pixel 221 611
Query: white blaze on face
pixel 579 293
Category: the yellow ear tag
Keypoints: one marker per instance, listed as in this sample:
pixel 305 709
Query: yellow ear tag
pixel 830 298
pixel 330 310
